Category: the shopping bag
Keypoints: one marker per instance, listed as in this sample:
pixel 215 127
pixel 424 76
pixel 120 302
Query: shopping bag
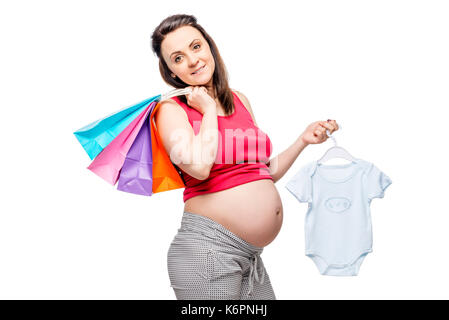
pixel 136 175
pixel 108 163
pixel 97 135
pixel 108 141
pixel 165 175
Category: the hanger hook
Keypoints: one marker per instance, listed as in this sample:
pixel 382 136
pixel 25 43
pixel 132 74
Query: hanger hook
pixel 331 136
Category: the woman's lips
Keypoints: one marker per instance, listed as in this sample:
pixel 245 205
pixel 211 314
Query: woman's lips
pixel 199 70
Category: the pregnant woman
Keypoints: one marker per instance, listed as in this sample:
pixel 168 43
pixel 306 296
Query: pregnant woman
pixel 232 209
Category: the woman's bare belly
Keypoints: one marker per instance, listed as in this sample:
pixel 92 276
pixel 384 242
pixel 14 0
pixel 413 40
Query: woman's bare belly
pixel 253 211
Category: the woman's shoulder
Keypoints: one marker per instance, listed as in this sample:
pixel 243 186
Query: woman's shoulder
pixel 170 109
pixel 245 102
pixel 239 94
pixel 172 103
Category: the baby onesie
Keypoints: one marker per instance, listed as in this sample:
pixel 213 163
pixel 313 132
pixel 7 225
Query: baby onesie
pixel 338 232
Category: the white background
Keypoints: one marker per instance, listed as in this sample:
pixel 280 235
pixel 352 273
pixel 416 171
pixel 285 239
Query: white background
pixel 380 68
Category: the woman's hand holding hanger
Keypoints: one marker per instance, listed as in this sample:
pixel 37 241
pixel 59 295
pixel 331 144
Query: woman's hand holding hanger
pixel 316 132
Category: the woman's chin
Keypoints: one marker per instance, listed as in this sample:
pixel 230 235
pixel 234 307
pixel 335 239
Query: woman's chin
pixel 199 83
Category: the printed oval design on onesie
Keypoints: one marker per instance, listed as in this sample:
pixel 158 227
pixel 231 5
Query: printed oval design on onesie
pixel 337 204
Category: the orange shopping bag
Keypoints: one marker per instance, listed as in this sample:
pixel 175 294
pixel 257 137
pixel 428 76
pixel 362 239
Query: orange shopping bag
pixel 165 175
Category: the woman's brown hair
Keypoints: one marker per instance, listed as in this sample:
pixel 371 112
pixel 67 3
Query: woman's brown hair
pixel 220 76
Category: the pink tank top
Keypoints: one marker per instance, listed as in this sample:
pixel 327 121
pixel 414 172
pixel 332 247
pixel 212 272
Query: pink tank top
pixel 243 151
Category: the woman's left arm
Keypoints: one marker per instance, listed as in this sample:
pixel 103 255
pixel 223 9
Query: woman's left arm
pixel 314 133
pixel 280 164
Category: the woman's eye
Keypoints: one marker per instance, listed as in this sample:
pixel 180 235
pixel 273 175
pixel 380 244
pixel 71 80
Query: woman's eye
pixel 176 59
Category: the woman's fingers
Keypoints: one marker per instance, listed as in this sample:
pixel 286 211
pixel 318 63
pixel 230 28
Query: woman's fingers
pixel 320 128
pixel 330 125
pixel 321 134
pixel 326 125
pixel 316 132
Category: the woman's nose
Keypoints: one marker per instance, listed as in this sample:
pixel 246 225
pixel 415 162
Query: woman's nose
pixel 193 61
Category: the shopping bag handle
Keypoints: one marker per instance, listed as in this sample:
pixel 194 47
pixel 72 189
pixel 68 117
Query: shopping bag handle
pixel 176 92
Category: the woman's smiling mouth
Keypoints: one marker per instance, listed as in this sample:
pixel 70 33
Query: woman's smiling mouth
pixel 199 70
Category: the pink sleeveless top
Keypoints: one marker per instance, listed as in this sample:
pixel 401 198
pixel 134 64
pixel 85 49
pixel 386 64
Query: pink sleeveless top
pixel 243 151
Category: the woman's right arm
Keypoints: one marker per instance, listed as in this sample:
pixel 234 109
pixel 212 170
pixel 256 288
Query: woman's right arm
pixel 194 154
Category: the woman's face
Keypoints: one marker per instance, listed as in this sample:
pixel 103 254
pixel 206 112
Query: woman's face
pixel 184 51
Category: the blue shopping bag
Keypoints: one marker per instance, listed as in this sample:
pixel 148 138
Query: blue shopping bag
pixel 97 135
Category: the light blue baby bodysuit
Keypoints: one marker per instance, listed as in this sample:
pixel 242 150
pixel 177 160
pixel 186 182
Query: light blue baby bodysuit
pixel 338 232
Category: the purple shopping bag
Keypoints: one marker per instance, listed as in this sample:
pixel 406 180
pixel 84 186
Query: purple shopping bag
pixel 136 175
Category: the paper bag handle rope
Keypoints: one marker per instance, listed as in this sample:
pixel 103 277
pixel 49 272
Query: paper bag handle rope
pixel 176 92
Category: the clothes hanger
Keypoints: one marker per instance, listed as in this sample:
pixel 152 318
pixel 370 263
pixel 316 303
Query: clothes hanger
pixel 336 152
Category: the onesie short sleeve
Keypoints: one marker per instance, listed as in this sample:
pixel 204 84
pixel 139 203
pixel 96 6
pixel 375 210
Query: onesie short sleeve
pixel 301 185
pixel 376 182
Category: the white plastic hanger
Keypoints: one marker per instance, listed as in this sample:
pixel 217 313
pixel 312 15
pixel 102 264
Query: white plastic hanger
pixel 336 152
pixel 174 93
